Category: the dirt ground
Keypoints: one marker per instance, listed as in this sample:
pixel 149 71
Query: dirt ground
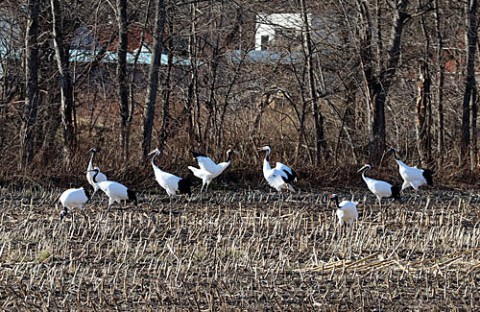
pixel 240 250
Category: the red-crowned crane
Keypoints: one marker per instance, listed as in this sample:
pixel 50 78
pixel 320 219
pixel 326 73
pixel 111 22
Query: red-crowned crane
pixel 170 182
pixel 100 177
pixel 379 188
pixel 280 177
pixel 412 176
pixel 346 210
pixel 115 191
pixel 73 198
pixel 209 170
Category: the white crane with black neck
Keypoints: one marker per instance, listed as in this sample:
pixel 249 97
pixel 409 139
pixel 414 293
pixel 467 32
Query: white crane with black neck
pixel 209 170
pixel 100 177
pixel 346 210
pixel 115 191
pixel 412 176
pixel 281 176
pixel 171 183
pixel 380 188
pixel 73 198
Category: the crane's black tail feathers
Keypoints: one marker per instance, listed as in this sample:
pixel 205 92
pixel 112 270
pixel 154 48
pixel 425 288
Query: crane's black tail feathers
pixel 291 176
pixel 195 154
pixel 184 186
pixel 132 196
pixel 428 175
pixel 87 193
pixel 396 192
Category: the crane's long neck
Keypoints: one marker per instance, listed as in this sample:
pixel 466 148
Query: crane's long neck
pixel 395 155
pixel 336 202
pixel 398 160
pixel 266 162
pixel 94 178
pixel 155 167
pixel 363 174
pixel 153 160
pixel 90 163
pixel 229 156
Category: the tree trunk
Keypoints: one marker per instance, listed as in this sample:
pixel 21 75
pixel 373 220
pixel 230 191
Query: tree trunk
pixel 320 143
pixel 191 101
pixel 379 83
pixel 468 96
pixel 122 76
pixel 164 132
pixel 151 98
pixel 66 90
pixel 31 79
pixel 423 108
pixel 440 84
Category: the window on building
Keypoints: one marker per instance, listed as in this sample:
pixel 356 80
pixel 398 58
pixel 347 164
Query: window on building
pixel 264 43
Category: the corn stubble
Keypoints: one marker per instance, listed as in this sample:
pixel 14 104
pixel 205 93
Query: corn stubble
pixel 243 250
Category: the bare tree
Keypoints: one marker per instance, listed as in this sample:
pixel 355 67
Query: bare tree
pixel 379 75
pixel 423 112
pixel 66 91
pixel 151 98
pixel 440 82
pixel 122 20
pixel 469 130
pixel 31 79
pixel 320 142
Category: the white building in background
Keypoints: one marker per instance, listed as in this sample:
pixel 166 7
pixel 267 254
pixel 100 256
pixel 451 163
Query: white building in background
pixel 271 28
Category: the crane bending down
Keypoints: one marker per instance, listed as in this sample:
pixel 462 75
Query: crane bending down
pixel 346 210
pixel 209 170
pixel 280 177
pixel 115 191
pixel 170 182
pixel 73 198
pixel 379 188
pixel 412 176
pixel 100 177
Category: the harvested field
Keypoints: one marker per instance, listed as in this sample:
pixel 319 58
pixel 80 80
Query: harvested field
pixel 240 251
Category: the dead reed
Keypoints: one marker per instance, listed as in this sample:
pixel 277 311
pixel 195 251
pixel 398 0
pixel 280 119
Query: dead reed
pixel 239 251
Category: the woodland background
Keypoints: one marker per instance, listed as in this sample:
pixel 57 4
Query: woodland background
pixel 371 75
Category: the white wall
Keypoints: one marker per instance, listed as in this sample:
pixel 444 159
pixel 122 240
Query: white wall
pixel 267 23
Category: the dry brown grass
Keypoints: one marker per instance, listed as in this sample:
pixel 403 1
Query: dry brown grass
pixel 240 251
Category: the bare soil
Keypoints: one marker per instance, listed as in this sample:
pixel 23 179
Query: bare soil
pixel 240 250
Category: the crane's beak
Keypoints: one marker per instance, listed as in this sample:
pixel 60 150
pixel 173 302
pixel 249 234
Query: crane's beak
pixel 361 169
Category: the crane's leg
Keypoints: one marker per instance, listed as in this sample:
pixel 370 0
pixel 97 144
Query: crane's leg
pixel 94 191
pixel 380 205
pixel 208 184
pixel 64 213
pixel 350 239
pixel 405 185
pixel 85 216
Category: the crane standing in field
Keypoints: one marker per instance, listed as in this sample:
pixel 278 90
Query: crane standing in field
pixel 412 176
pixel 73 198
pixel 170 182
pixel 280 177
pixel 346 211
pixel 379 188
pixel 209 170
pixel 115 191
pixel 100 177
